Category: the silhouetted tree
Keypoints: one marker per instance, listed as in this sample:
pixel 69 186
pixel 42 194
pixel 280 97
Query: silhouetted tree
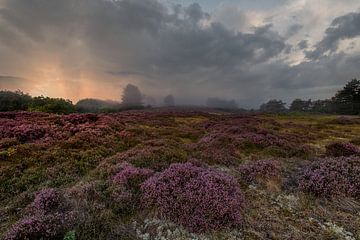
pixel 322 106
pixel 14 101
pixel 169 101
pixel 347 100
pixel 299 105
pixel 221 103
pixel 273 106
pixel 131 96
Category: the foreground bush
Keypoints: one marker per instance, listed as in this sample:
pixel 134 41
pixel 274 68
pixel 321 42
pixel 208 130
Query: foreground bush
pixel 131 177
pixel 334 176
pixel 49 226
pixel 341 149
pixel 262 169
pixel 195 197
pixel 48 218
pixel 125 189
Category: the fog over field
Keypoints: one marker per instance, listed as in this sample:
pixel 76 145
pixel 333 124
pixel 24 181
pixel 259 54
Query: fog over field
pixel 248 51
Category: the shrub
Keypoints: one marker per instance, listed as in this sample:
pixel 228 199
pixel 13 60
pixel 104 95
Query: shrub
pixel 125 191
pixel 50 226
pixel 195 197
pixel 262 169
pixel 47 218
pixel 341 149
pixel 131 177
pixel 81 118
pixel 28 132
pixel 47 200
pixel 333 176
pixel 51 105
pixel 14 101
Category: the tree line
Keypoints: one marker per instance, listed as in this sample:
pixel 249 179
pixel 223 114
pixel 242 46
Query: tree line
pixel 346 101
pixel 132 98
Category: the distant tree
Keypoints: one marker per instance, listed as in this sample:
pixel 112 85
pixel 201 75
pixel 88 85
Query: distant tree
pixel 273 106
pixel 299 105
pixel 221 103
pixel 322 106
pixel 51 105
pixel 14 101
pixel 132 96
pixel 169 101
pixel 347 100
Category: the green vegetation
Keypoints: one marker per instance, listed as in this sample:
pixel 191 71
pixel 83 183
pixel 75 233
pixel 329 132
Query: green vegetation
pixel 94 169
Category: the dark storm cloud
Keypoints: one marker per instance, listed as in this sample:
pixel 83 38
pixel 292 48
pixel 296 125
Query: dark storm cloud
pixel 303 44
pixel 293 29
pixel 195 13
pixel 142 32
pixel 175 48
pixel 343 27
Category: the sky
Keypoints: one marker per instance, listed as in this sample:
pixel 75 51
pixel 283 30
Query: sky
pixel 247 50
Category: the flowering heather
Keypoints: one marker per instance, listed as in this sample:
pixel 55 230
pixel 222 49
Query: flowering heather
pixel 195 197
pixel 262 169
pixel 345 120
pixel 131 177
pixel 341 149
pixel 333 176
pixel 28 132
pixel 225 140
pixel 49 226
pixel 80 118
pixel 34 127
pixel 46 219
pixel 47 200
pixel 111 171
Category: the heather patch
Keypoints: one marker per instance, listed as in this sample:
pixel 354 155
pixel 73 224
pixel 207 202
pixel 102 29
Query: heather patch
pixel 340 149
pixel 51 226
pixel 125 188
pixel 240 136
pixel 101 163
pixel 131 177
pixel 46 201
pixel 48 217
pixel 345 120
pixel 198 198
pixel 332 176
pixel 259 170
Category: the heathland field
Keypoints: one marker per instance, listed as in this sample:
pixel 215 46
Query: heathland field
pixel 179 174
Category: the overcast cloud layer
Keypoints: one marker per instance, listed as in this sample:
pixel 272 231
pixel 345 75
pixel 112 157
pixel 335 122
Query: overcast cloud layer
pixel 242 51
